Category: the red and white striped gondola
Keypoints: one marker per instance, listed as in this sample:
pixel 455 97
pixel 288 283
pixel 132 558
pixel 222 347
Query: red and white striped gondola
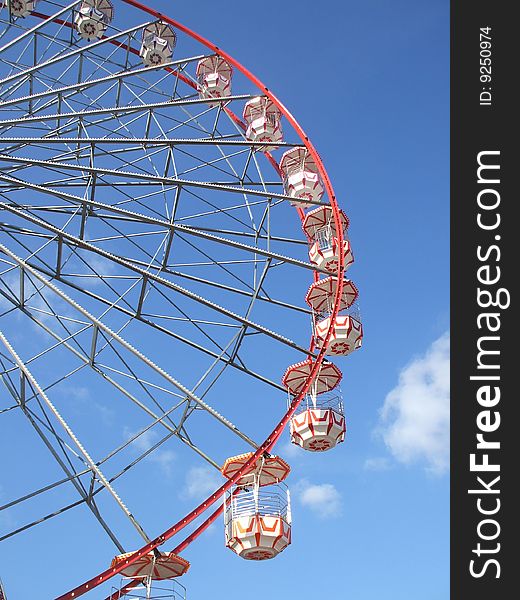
pixel 319 423
pixel 267 471
pixel 163 565
pixel 346 337
pixel 264 122
pixel 347 330
pixel 322 293
pixel 325 247
pixel 320 218
pixel 258 521
pixel 92 18
pixel 301 180
pixel 214 78
pixel 257 514
pixel 158 43
pixel 19 8
pixel 296 376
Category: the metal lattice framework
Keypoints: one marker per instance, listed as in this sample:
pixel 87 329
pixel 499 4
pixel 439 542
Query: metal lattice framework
pixel 139 224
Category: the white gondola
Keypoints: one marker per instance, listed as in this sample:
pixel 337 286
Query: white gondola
pixel 264 123
pixel 325 380
pixel 347 331
pixel 266 471
pixel 93 17
pixel 257 521
pixel 300 176
pixel 148 589
pixel 347 335
pixel 319 423
pixel 257 510
pixel 321 295
pixel 325 249
pixel 156 566
pixel 214 78
pixel 158 44
pixel 20 8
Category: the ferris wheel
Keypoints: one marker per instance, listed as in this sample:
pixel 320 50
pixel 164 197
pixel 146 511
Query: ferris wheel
pixel 169 240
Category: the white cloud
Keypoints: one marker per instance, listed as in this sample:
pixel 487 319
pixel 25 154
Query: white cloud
pixel 8 282
pixel 38 298
pixel 291 450
pixel 414 420
pixel 107 414
pixel 82 399
pixel 75 392
pixel 99 267
pixel 379 463
pixel 163 458
pixel 322 499
pixel 144 441
pixel 201 481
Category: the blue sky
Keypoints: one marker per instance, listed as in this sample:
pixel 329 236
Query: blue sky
pixel 368 81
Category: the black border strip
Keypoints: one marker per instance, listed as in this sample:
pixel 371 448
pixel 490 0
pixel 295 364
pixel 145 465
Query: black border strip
pixel 484 256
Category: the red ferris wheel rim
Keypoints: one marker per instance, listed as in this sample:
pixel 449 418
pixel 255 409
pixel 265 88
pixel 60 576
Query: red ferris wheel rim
pixel 271 440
